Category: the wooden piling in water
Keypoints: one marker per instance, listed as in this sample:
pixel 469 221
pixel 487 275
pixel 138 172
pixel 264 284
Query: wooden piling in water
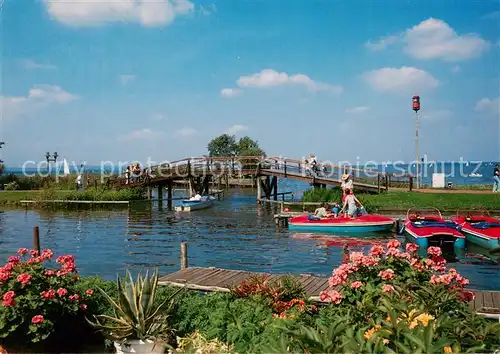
pixel 36 239
pixel 184 255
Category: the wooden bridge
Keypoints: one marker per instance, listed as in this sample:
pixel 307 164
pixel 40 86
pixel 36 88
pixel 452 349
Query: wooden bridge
pixel 201 172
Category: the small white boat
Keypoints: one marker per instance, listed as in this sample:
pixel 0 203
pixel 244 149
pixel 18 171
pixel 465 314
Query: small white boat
pixel 191 205
pixel 475 175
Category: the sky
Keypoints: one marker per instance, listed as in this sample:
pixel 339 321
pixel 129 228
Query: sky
pixel 125 80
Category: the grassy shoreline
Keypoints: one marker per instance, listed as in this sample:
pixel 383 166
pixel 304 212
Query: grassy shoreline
pixel 402 201
pixel 14 198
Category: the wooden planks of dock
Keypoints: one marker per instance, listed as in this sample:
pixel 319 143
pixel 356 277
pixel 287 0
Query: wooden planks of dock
pixel 222 280
pixel 486 303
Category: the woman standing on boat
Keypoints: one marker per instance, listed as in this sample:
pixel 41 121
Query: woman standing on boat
pixel 350 202
pixel 345 185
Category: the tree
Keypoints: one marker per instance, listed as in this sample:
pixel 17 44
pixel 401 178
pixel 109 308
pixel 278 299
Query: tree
pixel 224 145
pixel 249 147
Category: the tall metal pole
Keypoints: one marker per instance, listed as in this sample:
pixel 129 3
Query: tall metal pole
pixel 416 149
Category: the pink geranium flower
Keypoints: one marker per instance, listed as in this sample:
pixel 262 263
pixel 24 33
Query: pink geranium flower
pixel 411 247
pixel 49 294
pixel 62 292
pixel 387 274
pixel 386 288
pixel 434 251
pixel 331 296
pixel 24 278
pixel 8 299
pixel 356 284
pixel 37 319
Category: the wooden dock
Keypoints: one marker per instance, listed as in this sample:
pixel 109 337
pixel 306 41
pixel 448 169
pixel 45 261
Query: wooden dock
pixel 222 280
pixel 486 303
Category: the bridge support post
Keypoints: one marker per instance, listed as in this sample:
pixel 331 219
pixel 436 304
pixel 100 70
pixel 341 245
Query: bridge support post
pixel 150 193
pixel 260 184
pixel 160 196
pixel 274 187
pixel 169 194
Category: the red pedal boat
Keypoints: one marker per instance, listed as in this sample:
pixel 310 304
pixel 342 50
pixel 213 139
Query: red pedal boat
pixel 427 227
pixel 361 224
pixel 479 228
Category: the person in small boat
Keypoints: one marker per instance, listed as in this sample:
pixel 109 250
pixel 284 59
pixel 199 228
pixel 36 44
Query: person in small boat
pixel 195 197
pixel 345 184
pixel 320 213
pixel 336 210
pixel 351 203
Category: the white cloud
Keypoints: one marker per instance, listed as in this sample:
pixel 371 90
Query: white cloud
pixel 435 39
pixel 38 97
pixel 382 43
pixel 158 116
pixel 126 79
pixel 359 109
pixel 488 105
pixel 141 134
pixel 31 64
pixel 491 15
pixel 272 78
pixel 400 80
pixel 231 92
pixel 456 69
pixel 237 128
pixel 186 132
pixel 99 12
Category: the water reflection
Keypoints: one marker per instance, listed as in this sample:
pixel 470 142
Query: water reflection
pixel 234 234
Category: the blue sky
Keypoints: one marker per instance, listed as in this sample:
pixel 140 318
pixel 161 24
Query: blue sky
pixel 134 79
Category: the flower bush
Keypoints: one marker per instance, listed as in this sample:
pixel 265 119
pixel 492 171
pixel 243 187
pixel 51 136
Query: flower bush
pixel 383 270
pixel 36 299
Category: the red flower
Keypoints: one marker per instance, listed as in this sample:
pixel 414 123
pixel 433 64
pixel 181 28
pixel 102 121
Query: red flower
pixel 24 278
pixel 376 250
pixel 62 292
pixel 49 294
pixel 393 244
pixel 34 253
pixel 22 251
pixel 50 272
pixel 83 307
pixel 89 292
pixel 4 276
pixel 47 254
pixel 74 297
pixel 466 296
pixel 411 247
pixel 14 259
pixel 37 319
pixel 8 298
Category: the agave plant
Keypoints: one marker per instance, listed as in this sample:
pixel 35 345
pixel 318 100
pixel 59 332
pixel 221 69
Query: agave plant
pixel 136 315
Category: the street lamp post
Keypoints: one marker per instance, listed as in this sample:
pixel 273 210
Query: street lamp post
pixel 416 108
pixel 51 159
pixel 1 143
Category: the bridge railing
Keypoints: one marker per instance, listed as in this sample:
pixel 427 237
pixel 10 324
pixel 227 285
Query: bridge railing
pixel 194 166
pixel 325 170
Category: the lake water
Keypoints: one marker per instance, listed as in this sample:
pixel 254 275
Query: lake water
pixel 234 234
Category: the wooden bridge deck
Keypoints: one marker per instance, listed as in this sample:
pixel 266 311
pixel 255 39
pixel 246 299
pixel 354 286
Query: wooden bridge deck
pixel 251 166
pixel 486 303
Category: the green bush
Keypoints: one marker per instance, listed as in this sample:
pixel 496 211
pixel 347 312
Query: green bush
pixel 322 195
pixel 11 186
